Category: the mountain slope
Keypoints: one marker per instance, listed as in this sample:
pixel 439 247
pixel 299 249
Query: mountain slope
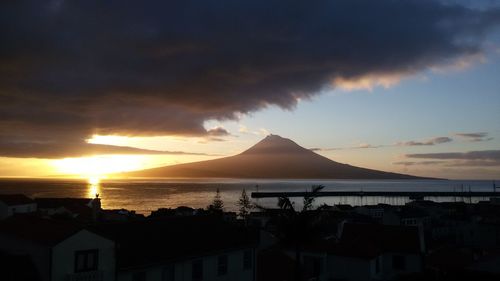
pixel 272 157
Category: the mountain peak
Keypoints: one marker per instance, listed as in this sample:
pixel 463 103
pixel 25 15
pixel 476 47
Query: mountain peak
pixel 274 144
pixel 273 157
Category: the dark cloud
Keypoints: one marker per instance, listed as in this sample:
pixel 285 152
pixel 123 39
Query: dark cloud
pixel 471 155
pixel 71 69
pixel 61 150
pixel 463 159
pixel 218 132
pixel 360 146
pixel 414 163
pixel 433 141
pixel 483 136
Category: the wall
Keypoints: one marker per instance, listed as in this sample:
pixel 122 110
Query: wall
pixel 39 254
pixel 347 268
pixel 63 255
pixel 7 211
pixel 183 269
pixel 413 264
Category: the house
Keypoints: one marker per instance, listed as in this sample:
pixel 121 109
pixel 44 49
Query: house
pixel 82 209
pixel 11 204
pixel 374 211
pixel 59 250
pixel 182 248
pixel 365 252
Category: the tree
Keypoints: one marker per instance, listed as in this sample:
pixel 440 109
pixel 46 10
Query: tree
pixel 296 228
pixel 244 205
pixel 217 203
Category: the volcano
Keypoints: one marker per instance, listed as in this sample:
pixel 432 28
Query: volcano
pixel 273 157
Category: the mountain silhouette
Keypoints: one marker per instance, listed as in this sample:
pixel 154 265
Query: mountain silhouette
pixel 273 157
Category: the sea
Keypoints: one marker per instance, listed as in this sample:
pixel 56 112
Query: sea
pixel 146 195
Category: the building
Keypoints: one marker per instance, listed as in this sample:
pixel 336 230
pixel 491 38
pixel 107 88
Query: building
pixel 182 248
pixel 365 252
pixel 11 204
pixel 59 250
pixel 82 209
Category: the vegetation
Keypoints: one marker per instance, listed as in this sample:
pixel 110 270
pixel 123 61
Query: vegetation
pixel 295 228
pixel 217 205
pixel 244 204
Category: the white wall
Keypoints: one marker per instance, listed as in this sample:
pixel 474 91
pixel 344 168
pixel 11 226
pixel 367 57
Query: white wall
pixel 7 211
pixel 413 264
pixel 4 211
pixel 347 268
pixel 63 255
pixel 183 270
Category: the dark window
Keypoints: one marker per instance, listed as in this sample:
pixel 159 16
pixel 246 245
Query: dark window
pixel 222 265
pixel 86 260
pixel 197 270
pixel 139 276
pixel 377 265
pixel 247 259
pixel 313 266
pixel 398 262
pixel 168 273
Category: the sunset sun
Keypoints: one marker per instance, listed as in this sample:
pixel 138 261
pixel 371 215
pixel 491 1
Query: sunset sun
pixel 96 167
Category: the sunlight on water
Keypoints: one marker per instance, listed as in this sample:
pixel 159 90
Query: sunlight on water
pixel 94 187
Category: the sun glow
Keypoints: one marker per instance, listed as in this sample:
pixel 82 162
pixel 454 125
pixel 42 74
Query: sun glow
pixel 97 167
pixel 94 187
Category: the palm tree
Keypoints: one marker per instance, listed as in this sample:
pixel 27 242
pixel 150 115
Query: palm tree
pixel 296 228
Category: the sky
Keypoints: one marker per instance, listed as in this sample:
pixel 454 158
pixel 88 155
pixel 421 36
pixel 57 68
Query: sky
pixel 95 87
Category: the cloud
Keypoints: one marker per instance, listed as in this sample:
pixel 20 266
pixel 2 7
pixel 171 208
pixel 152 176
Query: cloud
pixel 433 141
pixel 218 132
pixel 73 69
pixel 483 158
pixel 63 150
pixel 471 155
pixel 475 137
pixel 413 163
pixel 360 146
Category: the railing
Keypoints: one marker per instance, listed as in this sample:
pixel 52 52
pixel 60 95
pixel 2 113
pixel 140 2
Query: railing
pixel 86 276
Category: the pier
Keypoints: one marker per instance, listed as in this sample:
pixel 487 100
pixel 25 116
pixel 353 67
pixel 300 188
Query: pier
pixel 409 194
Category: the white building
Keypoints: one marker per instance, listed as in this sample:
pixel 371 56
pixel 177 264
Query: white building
pixel 11 204
pixel 182 248
pixel 59 250
pixel 366 252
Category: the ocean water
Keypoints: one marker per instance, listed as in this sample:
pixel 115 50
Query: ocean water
pixel 146 195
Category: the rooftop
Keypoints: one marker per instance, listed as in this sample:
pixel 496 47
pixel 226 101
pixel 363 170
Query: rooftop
pixel 15 199
pixel 39 230
pixel 155 240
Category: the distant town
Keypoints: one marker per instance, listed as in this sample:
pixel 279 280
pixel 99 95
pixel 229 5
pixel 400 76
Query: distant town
pixel 74 239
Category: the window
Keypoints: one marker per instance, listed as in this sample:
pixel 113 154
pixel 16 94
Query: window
pixel 313 266
pixel 222 265
pixel 247 259
pixel 168 273
pixel 139 276
pixel 86 260
pixel 197 270
pixel 377 265
pixel 398 262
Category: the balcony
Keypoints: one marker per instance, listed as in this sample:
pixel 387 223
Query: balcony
pixel 86 276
